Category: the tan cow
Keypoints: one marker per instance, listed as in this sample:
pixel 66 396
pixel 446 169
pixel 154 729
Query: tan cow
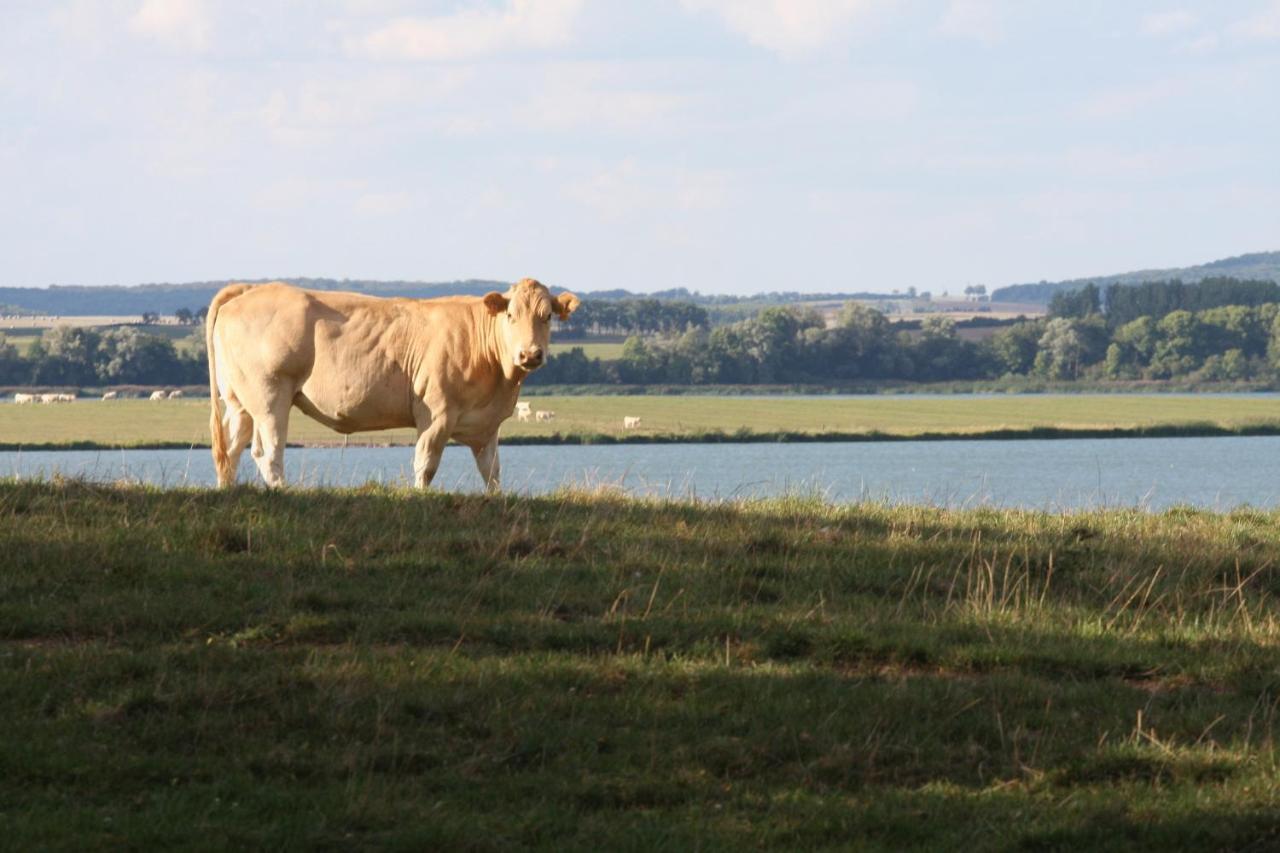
pixel 630 422
pixel 544 415
pixel 451 367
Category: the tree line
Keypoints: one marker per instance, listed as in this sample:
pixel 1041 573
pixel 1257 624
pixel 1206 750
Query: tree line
pixel 123 355
pixel 1088 336
pixel 791 346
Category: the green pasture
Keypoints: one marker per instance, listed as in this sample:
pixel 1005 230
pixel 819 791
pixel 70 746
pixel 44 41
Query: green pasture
pixel 128 422
pixel 606 351
pixel 379 669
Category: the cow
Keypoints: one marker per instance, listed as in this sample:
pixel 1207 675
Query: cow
pixel 158 395
pixel 451 368
pixel 48 398
pixel 110 395
pixel 629 422
pixel 66 398
pixel 523 411
pixel 545 415
pixel 175 395
pixel 25 398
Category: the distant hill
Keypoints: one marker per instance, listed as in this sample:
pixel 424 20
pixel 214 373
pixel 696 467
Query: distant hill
pixel 1258 266
pixel 164 299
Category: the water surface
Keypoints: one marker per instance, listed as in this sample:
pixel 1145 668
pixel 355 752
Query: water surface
pixel 1215 473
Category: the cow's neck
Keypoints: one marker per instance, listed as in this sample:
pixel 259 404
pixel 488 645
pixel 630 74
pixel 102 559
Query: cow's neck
pixel 494 348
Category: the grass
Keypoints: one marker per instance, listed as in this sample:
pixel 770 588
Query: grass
pixel 599 418
pixel 606 351
pixel 375 668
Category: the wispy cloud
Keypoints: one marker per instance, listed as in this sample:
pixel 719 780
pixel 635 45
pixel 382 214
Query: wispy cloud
pixel 178 24
pixel 1168 23
pixel 979 20
pixel 1264 26
pixel 787 26
pixel 472 32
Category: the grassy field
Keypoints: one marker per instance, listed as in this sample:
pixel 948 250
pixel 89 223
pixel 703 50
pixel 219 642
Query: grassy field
pixel 127 422
pixel 602 350
pixel 375 668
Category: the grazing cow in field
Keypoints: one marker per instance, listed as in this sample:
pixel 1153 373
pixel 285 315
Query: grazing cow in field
pixel 175 395
pixel 26 398
pixel 159 395
pixel 451 367
pixel 110 395
pixel 66 398
pixel 629 422
pixel 523 411
pixel 545 415
pixel 48 398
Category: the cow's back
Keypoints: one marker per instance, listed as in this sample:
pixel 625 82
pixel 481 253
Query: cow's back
pixel 340 357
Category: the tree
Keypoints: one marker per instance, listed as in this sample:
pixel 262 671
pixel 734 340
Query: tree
pixel 1060 349
pixel 1014 349
pixel 183 316
pixel 1075 303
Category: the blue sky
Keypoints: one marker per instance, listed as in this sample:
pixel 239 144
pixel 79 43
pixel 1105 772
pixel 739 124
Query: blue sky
pixel 728 146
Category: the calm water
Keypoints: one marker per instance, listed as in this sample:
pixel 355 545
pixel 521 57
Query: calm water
pixel 1216 473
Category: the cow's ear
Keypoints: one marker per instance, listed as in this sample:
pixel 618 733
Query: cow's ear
pixel 566 303
pixel 496 302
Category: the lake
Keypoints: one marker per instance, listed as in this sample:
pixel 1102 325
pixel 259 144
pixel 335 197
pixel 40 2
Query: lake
pixel 1155 473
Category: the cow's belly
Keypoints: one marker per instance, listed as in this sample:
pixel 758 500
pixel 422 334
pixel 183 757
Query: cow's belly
pixel 346 404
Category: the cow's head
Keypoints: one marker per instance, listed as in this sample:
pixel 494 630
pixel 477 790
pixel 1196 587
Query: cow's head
pixel 523 315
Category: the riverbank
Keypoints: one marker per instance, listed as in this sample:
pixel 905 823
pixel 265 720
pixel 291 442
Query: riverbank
pixel 376 667
pixel 93 424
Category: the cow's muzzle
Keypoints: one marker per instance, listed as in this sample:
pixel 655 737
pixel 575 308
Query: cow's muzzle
pixel 530 358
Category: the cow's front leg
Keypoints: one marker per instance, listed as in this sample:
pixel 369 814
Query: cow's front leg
pixel 486 455
pixel 432 439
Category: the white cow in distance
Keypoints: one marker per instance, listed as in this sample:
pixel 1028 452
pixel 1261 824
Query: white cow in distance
pixel 158 395
pixel 545 415
pixel 66 398
pixel 629 422
pixel 25 398
pixel 175 395
pixel 110 395
pixel 523 411
pixel 450 367
pixel 48 398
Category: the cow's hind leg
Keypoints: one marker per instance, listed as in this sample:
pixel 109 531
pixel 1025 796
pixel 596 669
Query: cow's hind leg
pixel 270 431
pixel 238 426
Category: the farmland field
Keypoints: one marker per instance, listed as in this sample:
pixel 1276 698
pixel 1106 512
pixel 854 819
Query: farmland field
pixel 129 422
pixel 374 668
pixel 593 349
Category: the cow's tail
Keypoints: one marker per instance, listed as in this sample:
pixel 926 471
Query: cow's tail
pixel 221 461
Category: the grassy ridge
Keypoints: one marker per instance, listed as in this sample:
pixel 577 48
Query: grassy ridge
pixel 373 667
pixel 599 419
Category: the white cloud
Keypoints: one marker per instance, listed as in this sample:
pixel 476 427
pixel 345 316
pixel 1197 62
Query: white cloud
pixel 972 19
pixel 1160 24
pixel 628 190
pixel 1264 26
pixel 178 24
pixel 383 203
pixel 472 32
pixel 1121 102
pixel 787 26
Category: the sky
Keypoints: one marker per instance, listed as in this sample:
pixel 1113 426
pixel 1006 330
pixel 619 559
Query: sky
pixel 726 146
